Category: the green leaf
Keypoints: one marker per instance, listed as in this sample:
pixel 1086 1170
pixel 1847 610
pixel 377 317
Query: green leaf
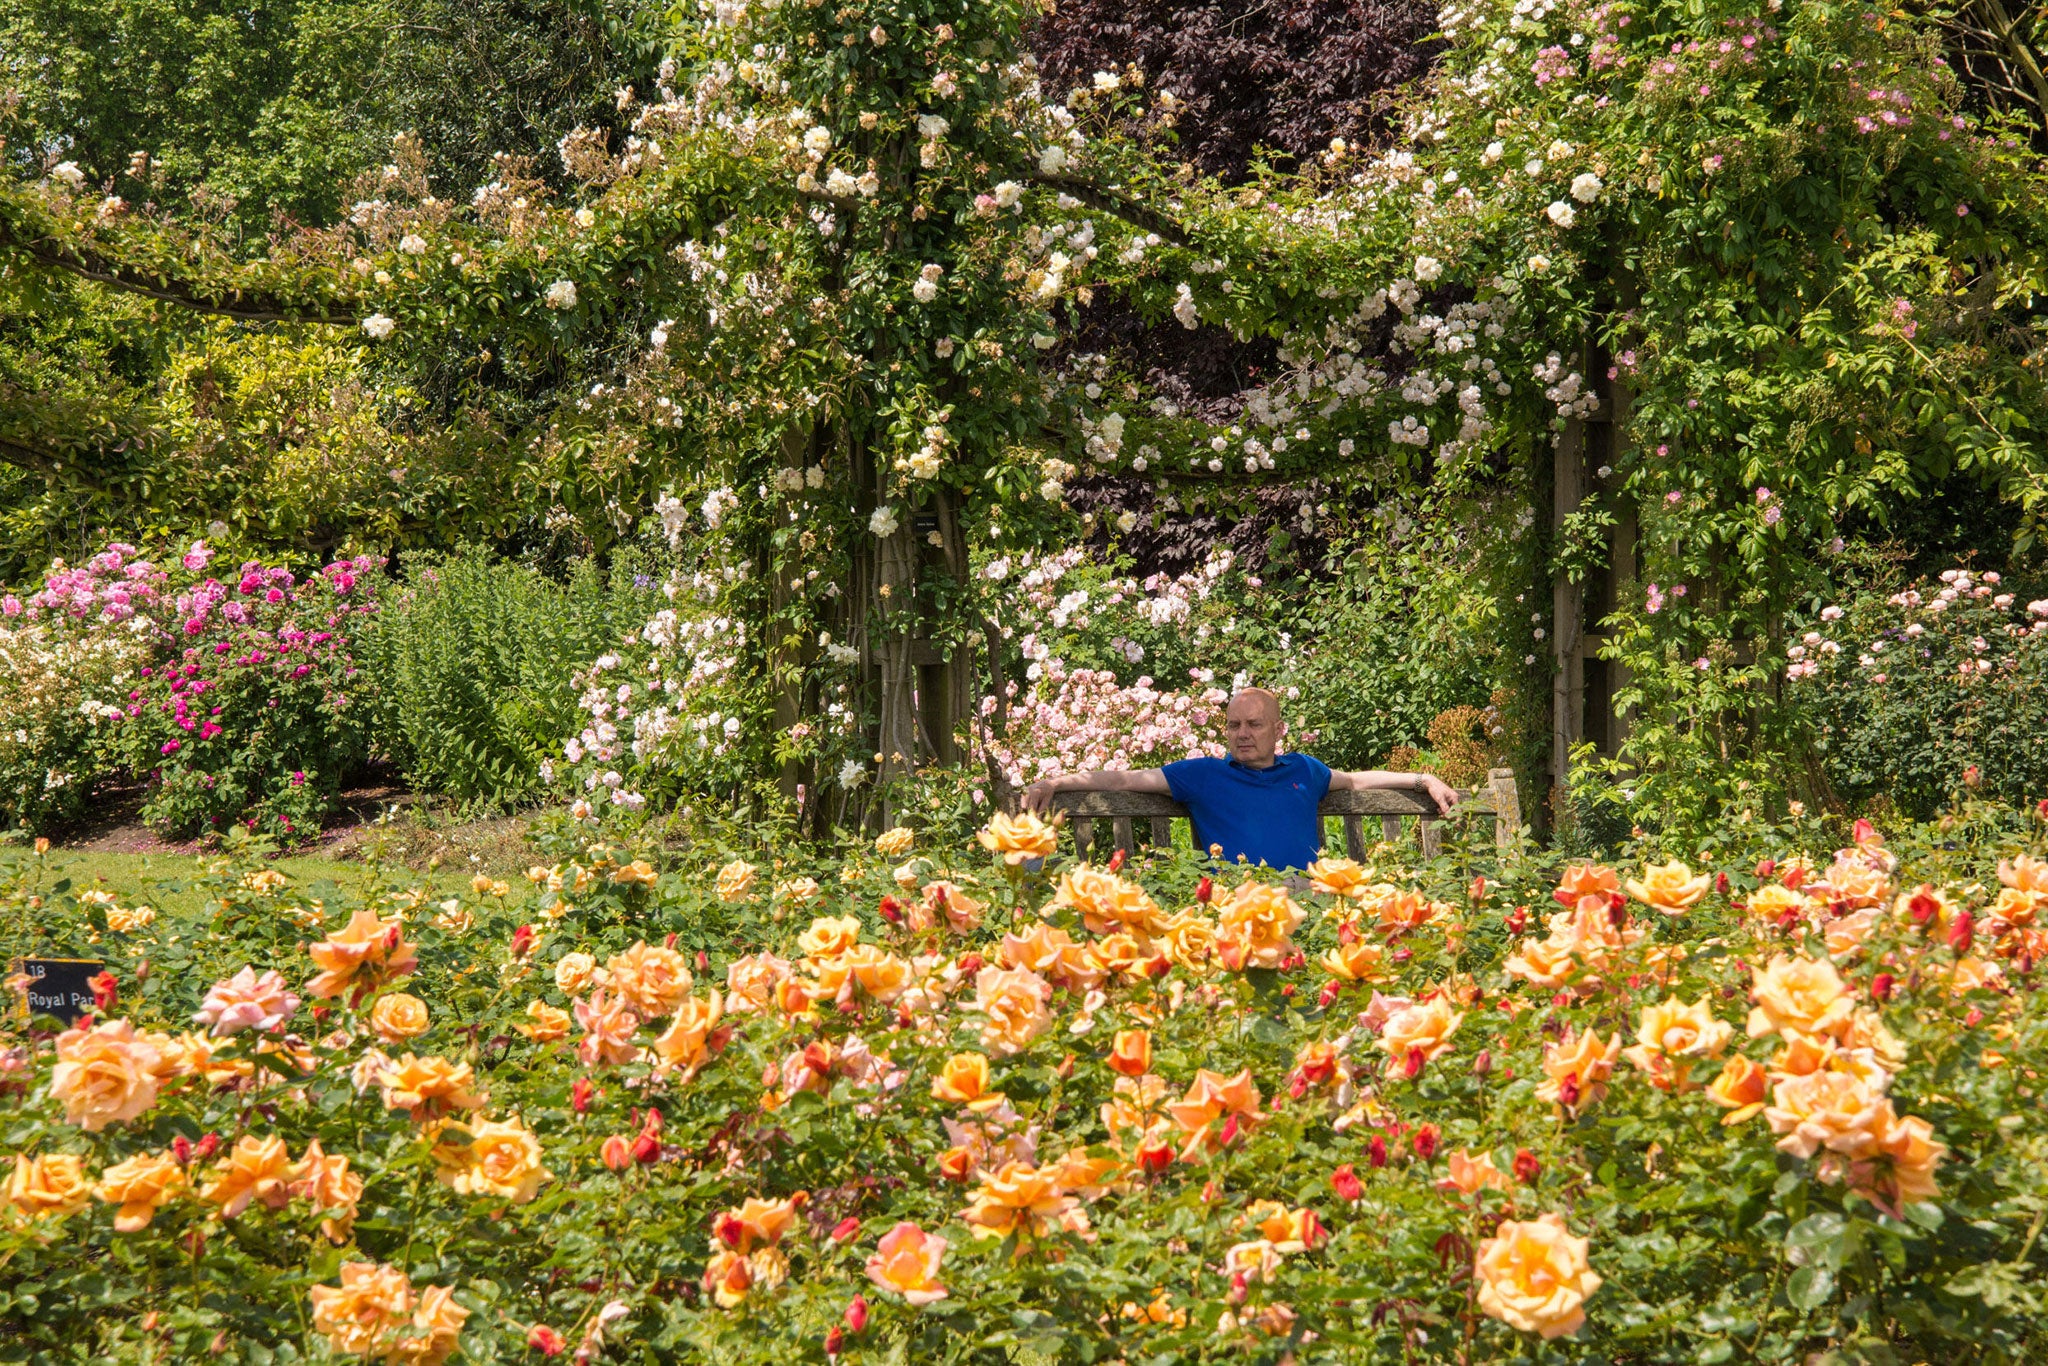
pixel 1809 1287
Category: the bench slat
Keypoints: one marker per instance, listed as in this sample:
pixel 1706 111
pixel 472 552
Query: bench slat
pixel 1162 832
pixel 1126 840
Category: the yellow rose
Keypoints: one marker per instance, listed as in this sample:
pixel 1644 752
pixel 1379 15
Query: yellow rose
pixel 1419 1032
pixel 1357 961
pixel 141 1185
pixel 1740 1089
pixel 574 972
pixel 427 1087
pixel 1576 1068
pixel 735 881
pixel 906 1261
pixel 1255 928
pixel 499 1158
pixel 128 921
pixel 1774 899
pixel 1798 994
pixel 1534 1276
pixel 1014 1000
pixel 104 1074
pixel 255 1169
pixel 964 1079
pixel 362 955
pixel 692 1039
pixel 829 936
pixel 398 1016
pixel 1190 940
pixel 638 873
pixel 1838 1111
pixel 1339 877
pixel 1019 1199
pixel 1670 888
pixel 651 981
pixel 894 843
pixel 549 1023
pixel 53 1184
pixel 1018 838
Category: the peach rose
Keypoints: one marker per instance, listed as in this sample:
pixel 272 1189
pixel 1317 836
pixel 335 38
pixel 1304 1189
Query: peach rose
pixel 1396 911
pixel 829 936
pixel 500 1158
pixel 1256 1261
pixel 1018 838
pixel 1472 1172
pixel 548 1023
pixel 1339 877
pixel 735 881
pixel 944 901
pixel 608 1028
pixel 1135 1106
pixel 1582 880
pixel 693 1038
pixel 964 1079
pixel 1423 1030
pixel 1837 1111
pixel 362 956
pixel 906 1261
pixel 758 1222
pixel 1670 888
pixel 328 1185
pixel 428 1087
pixel 1672 1029
pixel 1534 1276
pixel 1021 1199
pixel 575 971
pixel 1576 1068
pixel 650 981
pixel 796 891
pixel 1356 961
pixel 254 1169
pixel 1108 903
pixel 1740 1089
pixel 104 1074
pixel 1130 1052
pixel 361 1316
pixel 1255 928
pixel 2016 906
pixel 1544 963
pixel 1014 1000
pixel 141 1186
pixel 1853 884
pixel 750 982
pixel 1802 995
pixel 1901 1172
pixel 247 1001
pixel 53 1184
pixel 399 1016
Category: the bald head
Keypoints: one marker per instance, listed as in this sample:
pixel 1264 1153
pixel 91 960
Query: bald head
pixel 1251 727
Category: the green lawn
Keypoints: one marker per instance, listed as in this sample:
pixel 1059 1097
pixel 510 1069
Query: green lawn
pixel 160 880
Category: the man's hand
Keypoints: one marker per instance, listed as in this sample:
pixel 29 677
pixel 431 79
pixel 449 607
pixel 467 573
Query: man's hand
pixel 1038 796
pixel 1440 792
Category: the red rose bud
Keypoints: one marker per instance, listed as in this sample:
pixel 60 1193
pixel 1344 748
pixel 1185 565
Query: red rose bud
pixel 1518 920
pixel 1478 891
pixel 1765 867
pixel 142 971
pixel 1617 911
pixel 1795 878
pixel 617 1153
pixel 1210 1190
pixel 522 944
pixel 1116 861
pixel 1240 1287
pixel 1403 954
pixel 1568 1091
pixel 1923 908
pixel 970 965
pixel 1066 1067
pixel 1206 888
pixel 835 1341
pixel 669 941
pixel 1962 932
pixel 1974 1018
pixel 845 1229
pixel 1287 992
pixel 1883 985
pixel 857 1315
pixel 1345 1182
pixel 892 910
pixel 195 1243
pixel 2041 808
pixel 209 1144
pixel 1425 1141
pixel 580 1094
pixel 105 990
pixel 1527 1168
pixel 1482 1064
pixel 545 1340
pixel 1327 997
pixel 1412 1065
pixel 1229 1134
pixel 1376 1151
pixel 703 960
pixel 181 1149
pixel 1721 883
pixel 1154 1158
pixel 646 1148
pixel 729 1229
pixel 1158 966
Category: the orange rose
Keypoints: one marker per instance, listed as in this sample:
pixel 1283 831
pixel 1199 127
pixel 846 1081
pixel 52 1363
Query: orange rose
pixel 1901 1172
pixel 1019 1199
pixel 1210 1103
pixel 1801 995
pixel 1670 888
pixel 1398 911
pixel 255 1169
pixel 882 975
pixel 758 1222
pixel 104 1074
pixel 398 1016
pixel 328 1185
pixel 362 955
pixel 964 1079
pixel 1472 1172
pixel 1255 928
pixel 499 1158
pixel 650 981
pixel 1740 1090
pixel 374 1312
pixel 1423 1030
pixel 549 1023
pixel 1014 1000
pixel 427 1087
pixel 53 1184
pixel 140 1186
pixel 692 1038
pixel 906 1261
pixel 1131 1052
pixel 1018 838
pixel 1534 1276
pixel 1582 880
pixel 1576 1068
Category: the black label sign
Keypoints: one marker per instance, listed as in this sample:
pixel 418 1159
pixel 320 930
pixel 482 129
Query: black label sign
pixel 59 987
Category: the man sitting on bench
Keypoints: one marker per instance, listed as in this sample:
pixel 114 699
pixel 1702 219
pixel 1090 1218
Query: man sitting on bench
pixel 1258 805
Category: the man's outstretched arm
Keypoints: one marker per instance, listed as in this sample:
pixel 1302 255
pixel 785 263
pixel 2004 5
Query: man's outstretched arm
pixel 1438 790
pixel 1038 796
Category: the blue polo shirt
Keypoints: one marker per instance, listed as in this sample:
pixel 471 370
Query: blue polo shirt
pixel 1267 815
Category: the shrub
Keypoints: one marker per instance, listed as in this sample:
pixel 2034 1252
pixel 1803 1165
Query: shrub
pixel 52 721
pixel 478 657
pixel 1790 1105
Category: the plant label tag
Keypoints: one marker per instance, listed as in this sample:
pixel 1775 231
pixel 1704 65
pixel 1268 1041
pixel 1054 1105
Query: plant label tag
pixel 58 987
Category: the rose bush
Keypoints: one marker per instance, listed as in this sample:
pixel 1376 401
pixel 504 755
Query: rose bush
pixel 1752 1100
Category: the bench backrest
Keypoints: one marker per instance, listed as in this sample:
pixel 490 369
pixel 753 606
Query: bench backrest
pixel 1498 798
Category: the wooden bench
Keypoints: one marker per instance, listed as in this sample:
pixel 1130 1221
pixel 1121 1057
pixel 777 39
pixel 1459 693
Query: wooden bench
pixel 1123 810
